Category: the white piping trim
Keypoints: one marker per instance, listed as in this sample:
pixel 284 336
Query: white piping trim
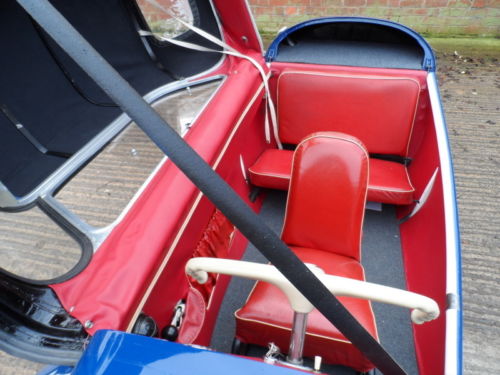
pixel 393 190
pixel 274 175
pixel 360 76
pixel 243 169
pixel 406 168
pixel 177 238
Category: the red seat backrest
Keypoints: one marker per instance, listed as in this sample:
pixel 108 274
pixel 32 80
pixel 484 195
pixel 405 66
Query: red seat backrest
pixel 326 199
pixel 379 110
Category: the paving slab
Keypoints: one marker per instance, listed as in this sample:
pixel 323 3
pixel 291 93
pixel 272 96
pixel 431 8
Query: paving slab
pixel 469 73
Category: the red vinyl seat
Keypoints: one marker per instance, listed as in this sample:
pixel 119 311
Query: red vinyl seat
pixel 378 110
pixel 388 181
pixel 323 225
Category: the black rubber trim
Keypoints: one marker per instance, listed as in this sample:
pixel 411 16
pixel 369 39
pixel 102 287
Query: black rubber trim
pixel 394 158
pixel 209 182
pixel 19 348
pixel 34 325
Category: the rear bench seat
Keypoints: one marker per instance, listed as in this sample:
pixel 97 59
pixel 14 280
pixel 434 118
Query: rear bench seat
pixel 378 110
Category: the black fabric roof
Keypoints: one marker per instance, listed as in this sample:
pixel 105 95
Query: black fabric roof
pixel 36 75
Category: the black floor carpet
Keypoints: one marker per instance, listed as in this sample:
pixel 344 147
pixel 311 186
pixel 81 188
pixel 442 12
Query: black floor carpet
pixel 383 264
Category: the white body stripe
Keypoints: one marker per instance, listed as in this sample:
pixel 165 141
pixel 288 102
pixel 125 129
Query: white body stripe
pixel 452 350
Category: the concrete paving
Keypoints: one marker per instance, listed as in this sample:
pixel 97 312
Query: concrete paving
pixel 470 86
pixel 469 73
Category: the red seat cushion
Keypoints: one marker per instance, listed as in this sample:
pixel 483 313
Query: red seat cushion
pixel 327 196
pixel 323 223
pixel 388 181
pixel 267 316
pixel 272 169
pixel 378 110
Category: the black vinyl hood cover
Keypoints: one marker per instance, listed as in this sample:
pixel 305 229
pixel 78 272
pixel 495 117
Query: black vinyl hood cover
pixel 353 41
pixel 56 102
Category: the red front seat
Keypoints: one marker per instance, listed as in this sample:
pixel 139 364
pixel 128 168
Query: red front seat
pixel 323 224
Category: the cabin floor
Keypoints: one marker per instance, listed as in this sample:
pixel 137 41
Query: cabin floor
pixel 383 264
pixel 470 88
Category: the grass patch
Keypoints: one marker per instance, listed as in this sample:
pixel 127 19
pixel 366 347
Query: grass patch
pixel 451 44
pixel 486 45
pixel 472 44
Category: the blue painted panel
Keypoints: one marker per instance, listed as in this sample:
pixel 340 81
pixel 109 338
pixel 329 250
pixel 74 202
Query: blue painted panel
pixel 118 353
pixel 429 60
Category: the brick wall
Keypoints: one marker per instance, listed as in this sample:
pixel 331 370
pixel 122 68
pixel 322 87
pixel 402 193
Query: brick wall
pixel 447 17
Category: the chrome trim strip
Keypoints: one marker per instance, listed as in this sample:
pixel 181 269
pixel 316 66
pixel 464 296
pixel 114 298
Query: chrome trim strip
pixel 95 235
pixel 451 301
pixel 453 349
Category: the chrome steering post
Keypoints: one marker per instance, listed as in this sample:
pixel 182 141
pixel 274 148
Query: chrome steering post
pixel 297 338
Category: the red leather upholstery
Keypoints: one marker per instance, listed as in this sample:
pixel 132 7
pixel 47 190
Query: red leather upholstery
pixel 272 169
pixel 323 224
pixel 267 316
pixel 388 181
pixel 377 110
pixel 327 196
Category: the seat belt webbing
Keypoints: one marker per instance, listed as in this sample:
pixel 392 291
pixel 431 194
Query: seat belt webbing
pixel 228 50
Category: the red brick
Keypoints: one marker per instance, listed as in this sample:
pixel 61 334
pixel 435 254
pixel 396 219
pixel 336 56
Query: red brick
pixel 333 3
pixel 478 3
pixel 459 3
pixel 274 3
pixel 419 11
pixel 354 3
pixel 349 11
pixel 315 11
pixel 436 3
pixel 440 16
pixel 382 3
pixel 259 11
pixel 411 3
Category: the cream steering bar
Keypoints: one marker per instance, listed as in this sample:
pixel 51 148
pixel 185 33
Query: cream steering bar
pixel 424 309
